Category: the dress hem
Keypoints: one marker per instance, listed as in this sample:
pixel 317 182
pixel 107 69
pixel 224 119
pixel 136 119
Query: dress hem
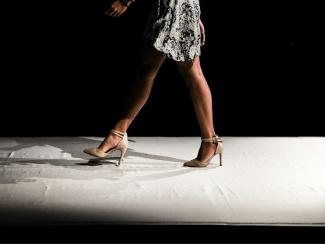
pixel 169 55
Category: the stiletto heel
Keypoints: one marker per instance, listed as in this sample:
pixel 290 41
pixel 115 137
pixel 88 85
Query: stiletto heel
pixel 219 150
pixel 121 146
pixel 123 151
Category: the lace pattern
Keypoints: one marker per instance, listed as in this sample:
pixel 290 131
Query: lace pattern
pixel 173 28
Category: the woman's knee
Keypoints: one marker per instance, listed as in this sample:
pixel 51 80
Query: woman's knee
pixel 191 72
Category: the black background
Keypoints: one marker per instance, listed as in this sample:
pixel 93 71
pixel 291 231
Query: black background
pixel 67 69
pixel 162 234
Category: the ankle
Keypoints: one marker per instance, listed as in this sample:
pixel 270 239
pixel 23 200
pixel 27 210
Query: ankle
pixel 209 135
pixel 122 125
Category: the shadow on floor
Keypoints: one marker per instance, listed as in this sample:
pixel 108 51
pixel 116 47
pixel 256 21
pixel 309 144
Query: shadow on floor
pixel 100 168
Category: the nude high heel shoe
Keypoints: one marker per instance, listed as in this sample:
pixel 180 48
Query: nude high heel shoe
pixel 219 150
pixel 121 146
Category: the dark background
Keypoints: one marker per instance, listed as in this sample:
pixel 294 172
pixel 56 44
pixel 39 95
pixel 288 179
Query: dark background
pixel 67 69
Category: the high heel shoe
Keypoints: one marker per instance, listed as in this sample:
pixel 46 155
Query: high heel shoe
pixel 121 146
pixel 219 150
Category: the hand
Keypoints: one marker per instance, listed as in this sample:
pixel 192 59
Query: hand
pixel 202 33
pixel 117 9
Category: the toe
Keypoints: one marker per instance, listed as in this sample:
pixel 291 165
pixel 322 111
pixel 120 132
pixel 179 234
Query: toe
pixel 190 163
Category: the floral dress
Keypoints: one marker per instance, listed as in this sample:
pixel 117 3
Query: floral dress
pixel 173 28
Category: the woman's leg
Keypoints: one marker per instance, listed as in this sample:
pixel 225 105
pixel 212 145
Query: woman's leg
pixel 147 69
pixel 202 100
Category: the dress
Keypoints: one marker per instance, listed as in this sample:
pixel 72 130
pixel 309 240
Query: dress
pixel 173 27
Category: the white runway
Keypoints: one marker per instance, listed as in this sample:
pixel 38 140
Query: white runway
pixel 263 181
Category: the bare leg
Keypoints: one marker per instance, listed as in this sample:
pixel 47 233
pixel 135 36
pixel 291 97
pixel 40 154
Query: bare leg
pixel 202 100
pixel 147 70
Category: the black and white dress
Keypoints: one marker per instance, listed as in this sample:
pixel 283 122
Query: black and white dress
pixel 173 28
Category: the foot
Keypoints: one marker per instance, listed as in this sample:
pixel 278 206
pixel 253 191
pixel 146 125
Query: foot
pixel 206 151
pixel 109 142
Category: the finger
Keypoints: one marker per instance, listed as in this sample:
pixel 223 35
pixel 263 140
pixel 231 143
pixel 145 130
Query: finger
pixel 119 13
pixel 112 11
pixel 112 14
pixel 115 14
pixel 202 37
pixel 202 40
pixel 122 12
pixel 109 11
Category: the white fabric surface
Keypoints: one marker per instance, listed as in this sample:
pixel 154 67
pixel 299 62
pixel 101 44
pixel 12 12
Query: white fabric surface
pixel 264 180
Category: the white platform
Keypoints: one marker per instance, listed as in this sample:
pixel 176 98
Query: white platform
pixel 264 181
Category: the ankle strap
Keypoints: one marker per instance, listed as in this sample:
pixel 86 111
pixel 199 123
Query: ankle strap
pixel 217 137
pixel 213 139
pixel 118 133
